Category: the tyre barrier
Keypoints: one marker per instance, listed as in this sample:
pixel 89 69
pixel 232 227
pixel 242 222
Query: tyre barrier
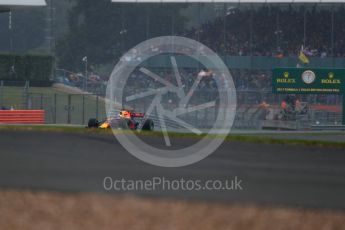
pixel 22 117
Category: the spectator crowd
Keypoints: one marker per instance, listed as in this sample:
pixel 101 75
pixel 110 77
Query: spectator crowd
pixel 278 31
pixel 262 30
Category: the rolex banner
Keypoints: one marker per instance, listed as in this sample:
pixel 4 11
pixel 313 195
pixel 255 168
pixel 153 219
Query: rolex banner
pixel 308 81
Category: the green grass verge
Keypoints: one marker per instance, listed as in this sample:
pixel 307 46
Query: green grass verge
pixel 52 128
pixel 272 140
pixel 254 138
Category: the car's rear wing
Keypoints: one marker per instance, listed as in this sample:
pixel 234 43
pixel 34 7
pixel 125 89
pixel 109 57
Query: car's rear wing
pixel 137 114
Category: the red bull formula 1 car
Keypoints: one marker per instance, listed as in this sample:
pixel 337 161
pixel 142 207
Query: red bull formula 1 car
pixel 125 119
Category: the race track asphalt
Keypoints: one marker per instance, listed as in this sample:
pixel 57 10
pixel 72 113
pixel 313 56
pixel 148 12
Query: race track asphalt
pixel 272 174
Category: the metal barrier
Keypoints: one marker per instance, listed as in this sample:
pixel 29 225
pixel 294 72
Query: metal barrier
pixel 328 127
pixel 67 108
pixel 78 108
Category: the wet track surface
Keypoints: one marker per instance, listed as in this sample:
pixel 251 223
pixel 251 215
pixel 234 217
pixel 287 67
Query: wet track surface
pixel 271 174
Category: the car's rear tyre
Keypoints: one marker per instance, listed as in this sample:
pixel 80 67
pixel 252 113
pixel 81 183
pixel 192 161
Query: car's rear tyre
pixel 93 123
pixel 148 125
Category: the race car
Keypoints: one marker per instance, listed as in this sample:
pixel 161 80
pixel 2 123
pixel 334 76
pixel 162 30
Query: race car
pixel 125 119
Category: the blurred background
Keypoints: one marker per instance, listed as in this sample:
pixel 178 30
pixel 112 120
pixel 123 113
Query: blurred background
pixel 82 40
